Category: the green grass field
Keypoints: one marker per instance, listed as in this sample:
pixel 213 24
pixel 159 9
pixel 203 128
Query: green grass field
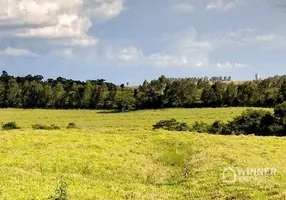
pixel 119 156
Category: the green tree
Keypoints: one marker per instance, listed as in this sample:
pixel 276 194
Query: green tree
pixel 73 97
pixel 13 94
pixel 230 94
pixel 124 100
pixel 48 98
pixel 2 95
pixel 32 94
pixel 102 95
pixel 59 95
pixel 86 99
pixel 94 100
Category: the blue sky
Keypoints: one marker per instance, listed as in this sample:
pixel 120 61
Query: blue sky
pixel 134 40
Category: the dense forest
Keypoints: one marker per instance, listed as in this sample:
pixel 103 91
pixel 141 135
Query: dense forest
pixel 35 92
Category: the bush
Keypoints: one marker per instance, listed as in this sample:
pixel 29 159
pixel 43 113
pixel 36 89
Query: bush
pixel 257 122
pixel 40 127
pixel 280 113
pixel 10 126
pixel 219 127
pixel 183 127
pixel 280 110
pixel 275 130
pixel 44 127
pixel 71 126
pixel 249 122
pixel 200 127
pixel 171 125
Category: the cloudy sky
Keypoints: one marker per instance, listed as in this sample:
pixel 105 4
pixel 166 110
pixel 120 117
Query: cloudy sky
pixel 133 40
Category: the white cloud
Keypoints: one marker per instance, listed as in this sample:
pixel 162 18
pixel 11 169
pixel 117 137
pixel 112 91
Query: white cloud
pixel 182 8
pixel 126 54
pixel 52 19
pixel 104 9
pixel 165 60
pixel 84 42
pixel 249 37
pixel 66 53
pixel 67 26
pixel 41 12
pixel 183 48
pixel 269 38
pixel 223 5
pixel 228 65
pixel 17 53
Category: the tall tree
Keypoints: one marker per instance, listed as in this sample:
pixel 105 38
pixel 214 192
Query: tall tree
pixel 13 94
pixel 60 96
pixel 2 95
pixel 102 96
pixel 86 99
pixel 124 100
pixel 48 98
pixel 74 96
pixel 230 94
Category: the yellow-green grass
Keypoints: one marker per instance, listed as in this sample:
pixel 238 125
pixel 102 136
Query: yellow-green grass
pixel 119 156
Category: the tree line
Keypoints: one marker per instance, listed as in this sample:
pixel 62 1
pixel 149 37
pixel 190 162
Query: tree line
pixel 35 92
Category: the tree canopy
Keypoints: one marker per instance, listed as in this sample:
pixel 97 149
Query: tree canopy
pixel 61 93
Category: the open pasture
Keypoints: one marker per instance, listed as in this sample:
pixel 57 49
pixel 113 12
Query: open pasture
pixel 119 156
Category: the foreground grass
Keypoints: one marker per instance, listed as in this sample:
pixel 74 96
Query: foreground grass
pixel 118 156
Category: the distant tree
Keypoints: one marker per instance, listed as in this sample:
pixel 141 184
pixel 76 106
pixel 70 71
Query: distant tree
pixel 86 99
pixel 124 100
pixel 230 94
pixel 48 98
pixel 217 94
pixel 13 94
pixel 35 92
pixel 73 97
pixel 2 95
pixel 32 94
pixel 60 95
pixel 101 96
pixel 172 97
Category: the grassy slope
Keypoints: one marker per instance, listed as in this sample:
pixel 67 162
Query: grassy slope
pixel 118 156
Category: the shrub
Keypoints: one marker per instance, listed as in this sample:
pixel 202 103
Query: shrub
pixel 200 127
pixel 280 113
pixel 55 127
pixel 257 122
pixel 218 127
pixel 45 127
pixel 171 125
pixel 40 127
pixel 71 126
pixel 275 130
pixel 280 110
pixel 183 127
pixel 10 126
pixel 227 130
pixel 249 122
